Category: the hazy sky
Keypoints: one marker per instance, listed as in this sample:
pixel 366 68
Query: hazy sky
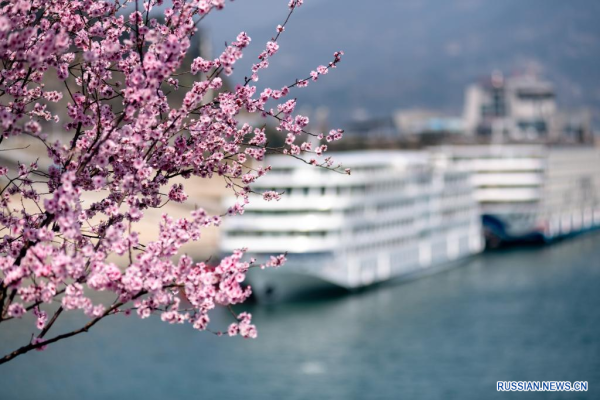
pixel 419 53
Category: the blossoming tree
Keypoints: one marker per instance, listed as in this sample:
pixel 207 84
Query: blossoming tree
pixel 124 138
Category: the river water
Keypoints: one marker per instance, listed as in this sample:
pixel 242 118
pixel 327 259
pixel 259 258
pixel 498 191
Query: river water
pixel 521 314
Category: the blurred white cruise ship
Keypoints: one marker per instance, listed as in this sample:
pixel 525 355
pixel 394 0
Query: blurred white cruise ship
pixel 398 214
pixel 531 193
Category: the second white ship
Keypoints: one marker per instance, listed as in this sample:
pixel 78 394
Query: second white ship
pixel 531 193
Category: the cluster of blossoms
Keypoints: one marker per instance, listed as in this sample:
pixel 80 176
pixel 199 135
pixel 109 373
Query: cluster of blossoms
pixel 127 140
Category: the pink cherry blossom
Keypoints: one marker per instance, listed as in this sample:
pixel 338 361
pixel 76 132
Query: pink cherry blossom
pixel 134 112
pixel 16 310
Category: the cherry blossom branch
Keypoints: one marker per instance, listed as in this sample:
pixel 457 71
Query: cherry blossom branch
pixel 38 344
pixel 129 134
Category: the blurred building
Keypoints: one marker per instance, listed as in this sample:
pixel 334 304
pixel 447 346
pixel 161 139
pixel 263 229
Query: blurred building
pixel 521 108
pixel 373 128
pixel 405 124
pixel 423 121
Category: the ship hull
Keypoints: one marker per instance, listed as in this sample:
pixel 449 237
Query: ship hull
pixel 299 280
pixel 497 235
pixel 284 285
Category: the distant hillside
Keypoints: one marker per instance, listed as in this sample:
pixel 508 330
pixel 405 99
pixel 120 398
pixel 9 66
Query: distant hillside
pixel 413 53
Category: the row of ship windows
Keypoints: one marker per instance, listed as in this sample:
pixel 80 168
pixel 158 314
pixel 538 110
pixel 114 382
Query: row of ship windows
pixel 306 191
pixel 281 233
pixel 319 257
pixel 396 204
pixel 455 220
pixel 287 171
pixel 495 157
pixel 460 195
pixel 406 203
pixel 456 212
pixel 298 213
pixel 385 244
pixel 511 203
pixel 353 190
pixel 371 228
pixel 421 200
pixel 511 171
pixel 357 210
pixel 449 178
pixel 324 234
pixel 359 230
pixel 457 178
pixel 503 187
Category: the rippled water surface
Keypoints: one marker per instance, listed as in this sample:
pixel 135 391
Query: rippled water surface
pixel 526 314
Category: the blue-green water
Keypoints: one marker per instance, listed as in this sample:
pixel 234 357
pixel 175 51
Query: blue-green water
pixel 524 314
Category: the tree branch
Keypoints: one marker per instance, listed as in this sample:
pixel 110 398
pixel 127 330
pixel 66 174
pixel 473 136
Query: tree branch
pixel 85 328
